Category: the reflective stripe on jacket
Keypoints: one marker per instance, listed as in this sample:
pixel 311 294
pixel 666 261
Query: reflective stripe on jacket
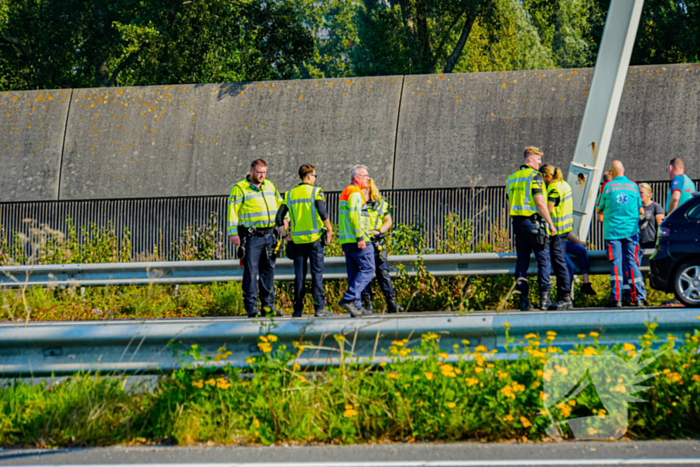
pixel 306 224
pixel 563 213
pixel 351 226
pixel 252 206
pixel 375 214
pixel 519 189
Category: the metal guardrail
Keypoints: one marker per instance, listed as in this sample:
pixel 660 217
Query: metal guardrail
pixel 43 349
pixel 181 272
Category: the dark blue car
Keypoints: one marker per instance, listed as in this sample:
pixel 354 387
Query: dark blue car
pixel 675 264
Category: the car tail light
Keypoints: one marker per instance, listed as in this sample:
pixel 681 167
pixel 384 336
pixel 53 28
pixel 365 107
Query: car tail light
pixel 664 232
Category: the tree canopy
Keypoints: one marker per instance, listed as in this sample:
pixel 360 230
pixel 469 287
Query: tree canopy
pixel 72 43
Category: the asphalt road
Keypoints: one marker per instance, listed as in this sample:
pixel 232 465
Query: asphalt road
pixel 469 454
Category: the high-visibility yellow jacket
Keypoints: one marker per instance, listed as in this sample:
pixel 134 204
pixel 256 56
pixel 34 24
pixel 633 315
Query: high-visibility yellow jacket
pixel 252 206
pixel 563 212
pixel 522 187
pixel 375 214
pixel 352 227
pixel 306 224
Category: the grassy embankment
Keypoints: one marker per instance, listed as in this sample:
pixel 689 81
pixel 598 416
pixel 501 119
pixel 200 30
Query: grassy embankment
pixel 406 400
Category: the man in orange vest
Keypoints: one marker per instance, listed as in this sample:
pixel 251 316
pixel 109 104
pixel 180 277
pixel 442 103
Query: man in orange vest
pixel 355 240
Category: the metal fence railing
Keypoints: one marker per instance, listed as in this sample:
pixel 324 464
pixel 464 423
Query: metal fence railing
pixel 156 223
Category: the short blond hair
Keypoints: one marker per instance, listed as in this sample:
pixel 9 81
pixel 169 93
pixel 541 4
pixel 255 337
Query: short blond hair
pixel 647 187
pixel 532 151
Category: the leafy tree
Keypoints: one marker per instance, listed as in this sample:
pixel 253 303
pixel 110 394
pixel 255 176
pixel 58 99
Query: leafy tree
pixel 415 36
pixel 333 26
pixel 73 43
pixel 508 42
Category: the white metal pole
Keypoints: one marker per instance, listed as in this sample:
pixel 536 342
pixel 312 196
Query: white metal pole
pixel 588 163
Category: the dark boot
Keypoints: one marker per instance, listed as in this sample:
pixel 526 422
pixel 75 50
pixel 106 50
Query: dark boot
pixel 252 313
pixel 562 304
pixel 350 307
pixel 367 307
pixel 587 289
pixel 391 305
pixel 526 304
pixel 271 311
pixel 545 301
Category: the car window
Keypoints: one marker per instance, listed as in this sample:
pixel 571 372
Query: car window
pixel 694 212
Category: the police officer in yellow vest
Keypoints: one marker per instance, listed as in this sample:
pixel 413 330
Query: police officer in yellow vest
pixel 309 230
pixel 560 203
pixel 528 210
pixel 251 226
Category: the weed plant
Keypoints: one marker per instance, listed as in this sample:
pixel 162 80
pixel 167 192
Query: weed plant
pixel 417 396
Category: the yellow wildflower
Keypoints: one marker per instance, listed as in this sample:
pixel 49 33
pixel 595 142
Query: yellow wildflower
pixel 572 403
pixel 272 338
pixel 249 360
pixel 263 338
pixel 490 365
pixel 551 333
pixel 563 370
pixel 211 382
pixel 592 431
pixel 588 351
pixel 531 336
pixel 478 370
pixel 398 343
pixel 620 388
pixel 451 405
pixel 548 375
pixel 695 378
pixel 350 413
pixel 674 377
pixel 480 348
pixel 593 334
pixel 222 383
pixel 428 375
pixel 443 355
pixel 508 418
pixel 465 342
pixel 256 422
pixel 430 336
pixel 382 364
pixel 471 381
pixel 536 384
pixel 302 379
pixel 526 423
pixel 393 375
pixel 507 390
pixel 404 352
pixel 458 371
pixel 296 367
pixel 581 336
pixel 265 347
pixel 565 410
pixel 198 384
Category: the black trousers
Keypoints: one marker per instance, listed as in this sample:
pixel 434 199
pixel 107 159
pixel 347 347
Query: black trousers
pixel 381 273
pixel 258 262
pixel 525 243
pixel 557 248
pixel 311 254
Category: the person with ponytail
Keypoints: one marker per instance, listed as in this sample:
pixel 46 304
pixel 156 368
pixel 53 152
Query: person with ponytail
pixel 377 214
pixel 561 209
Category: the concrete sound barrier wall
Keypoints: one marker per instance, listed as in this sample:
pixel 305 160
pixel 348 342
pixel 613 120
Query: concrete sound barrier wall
pixel 421 131
pixel 200 139
pixel 32 126
pixel 471 129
